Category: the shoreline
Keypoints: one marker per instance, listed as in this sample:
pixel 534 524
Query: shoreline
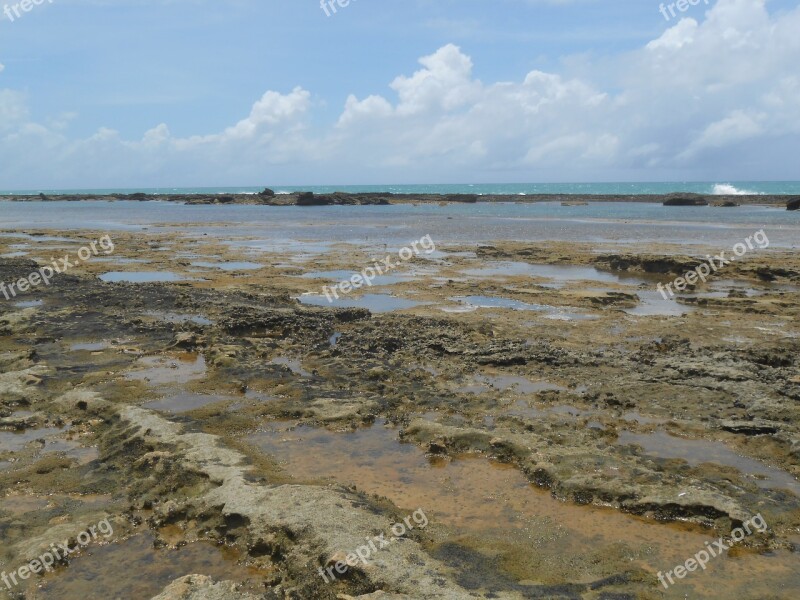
pixel 308 199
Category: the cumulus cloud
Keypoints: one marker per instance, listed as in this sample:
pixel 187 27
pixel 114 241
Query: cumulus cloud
pixel 706 95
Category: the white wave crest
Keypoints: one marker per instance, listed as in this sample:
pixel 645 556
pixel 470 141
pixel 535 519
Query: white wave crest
pixel 726 189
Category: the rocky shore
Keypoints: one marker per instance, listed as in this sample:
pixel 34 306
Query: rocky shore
pixel 269 198
pixel 569 443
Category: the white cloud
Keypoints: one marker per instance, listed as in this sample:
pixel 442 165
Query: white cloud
pixel 676 37
pixel 701 98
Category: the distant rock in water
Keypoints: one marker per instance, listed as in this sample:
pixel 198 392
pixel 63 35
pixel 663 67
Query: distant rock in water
pixel 340 199
pixel 467 198
pixel 309 199
pixel 268 193
pixel 793 204
pixel 685 200
pixel 576 203
pixel 726 204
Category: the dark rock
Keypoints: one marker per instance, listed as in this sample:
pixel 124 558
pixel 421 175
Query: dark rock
pixel 225 199
pixel 726 204
pixel 649 263
pixel 138 196
pixel 267 192
pixel 772 357
pixel 749 427
pixel 466 198
pixel 793 204
pixel 437 447
pixel 685 200
pixel 309 199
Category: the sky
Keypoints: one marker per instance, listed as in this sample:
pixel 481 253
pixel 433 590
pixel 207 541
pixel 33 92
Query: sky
pixel 168 93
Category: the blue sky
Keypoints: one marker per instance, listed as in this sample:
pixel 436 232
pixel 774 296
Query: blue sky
pixel 243 92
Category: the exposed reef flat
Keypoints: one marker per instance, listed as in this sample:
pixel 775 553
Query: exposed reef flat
pixel 568 433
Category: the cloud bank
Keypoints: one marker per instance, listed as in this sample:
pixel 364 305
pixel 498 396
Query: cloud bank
pixel 714 98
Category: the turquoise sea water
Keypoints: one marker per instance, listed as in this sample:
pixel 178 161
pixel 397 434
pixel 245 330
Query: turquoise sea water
pixel 738 187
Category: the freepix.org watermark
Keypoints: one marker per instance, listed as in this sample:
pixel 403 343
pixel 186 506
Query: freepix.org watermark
pixel 364 553
pixel 379 268
pixel 25 6
pixel 329 6
pixel 713 550
pixel 44 274
pixel 56 554
pixel 715 263
pixel 681 5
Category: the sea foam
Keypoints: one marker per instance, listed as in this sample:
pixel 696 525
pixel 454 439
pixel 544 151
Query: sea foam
pixel 726 189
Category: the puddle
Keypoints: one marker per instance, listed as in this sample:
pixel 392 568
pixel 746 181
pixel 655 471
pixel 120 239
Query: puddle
pixel 141 277
pixel 120 260
pixel 336 276
pixel 471 303
pixel 473 388
pixel 72 449
pixel 557 273
pixel 521 408
pixel 652 303
pixel 135 569
pixel 494 302
pixel 520 385
pixel 492 505
pixel 37 237
pixel 293 364
pixel 89 346
pixel 13 254
pixel 23 414
pixel 229 266
pixel 184 402
pixel 560 314
pixel 375 303
pixel 259 396
pixel 298 250
pixel 178 318
pixel 696 452
pixel 765 286
pixel 14 441
pixel 28 303
pixel 19 505
pixel 161 370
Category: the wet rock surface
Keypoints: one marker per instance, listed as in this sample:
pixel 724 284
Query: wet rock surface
pixel 655 433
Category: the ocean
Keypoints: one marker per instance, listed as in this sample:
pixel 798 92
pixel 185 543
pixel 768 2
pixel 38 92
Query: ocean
pixel 717 188
pixel 396 225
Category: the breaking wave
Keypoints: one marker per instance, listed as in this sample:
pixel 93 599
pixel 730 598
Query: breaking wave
pixel 726 189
